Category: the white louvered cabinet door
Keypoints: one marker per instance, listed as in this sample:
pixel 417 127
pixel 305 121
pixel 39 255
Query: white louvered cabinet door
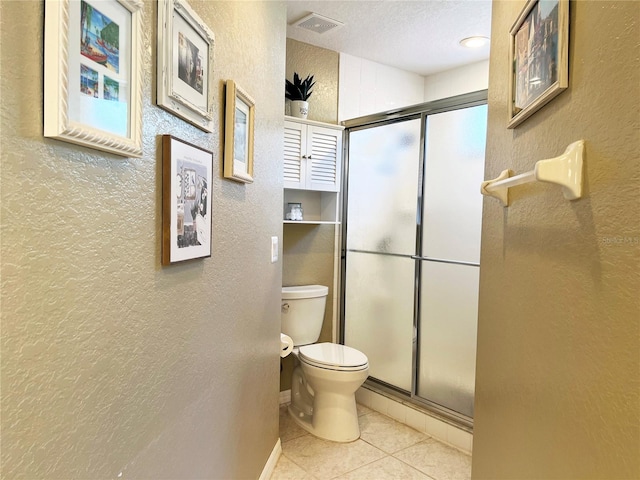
pixel 324 150
pixel 295 146
pixel 312 157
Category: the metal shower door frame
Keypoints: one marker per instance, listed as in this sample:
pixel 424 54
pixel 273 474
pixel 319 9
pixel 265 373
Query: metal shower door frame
pixel 422 111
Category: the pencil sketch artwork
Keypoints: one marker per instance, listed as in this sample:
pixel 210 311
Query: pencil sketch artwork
pixel 189 63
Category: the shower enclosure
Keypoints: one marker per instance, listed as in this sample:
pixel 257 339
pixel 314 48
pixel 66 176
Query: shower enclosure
pixel 411 249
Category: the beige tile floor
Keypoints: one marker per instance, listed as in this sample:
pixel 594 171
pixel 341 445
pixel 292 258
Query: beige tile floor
pixel 386 449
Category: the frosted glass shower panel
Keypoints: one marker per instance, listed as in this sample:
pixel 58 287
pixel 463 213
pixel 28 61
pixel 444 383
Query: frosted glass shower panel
pixel 383 186
pixel 379 306
pixel 448 327
pixel 454 167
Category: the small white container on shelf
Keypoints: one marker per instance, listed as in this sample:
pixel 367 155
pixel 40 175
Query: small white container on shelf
pixel 294 212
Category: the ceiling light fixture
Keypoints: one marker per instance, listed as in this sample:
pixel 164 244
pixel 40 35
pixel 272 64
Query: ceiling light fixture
pixel 474 42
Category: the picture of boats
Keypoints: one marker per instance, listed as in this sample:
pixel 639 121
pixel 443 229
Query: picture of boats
pixel 99 37
pixel 106 46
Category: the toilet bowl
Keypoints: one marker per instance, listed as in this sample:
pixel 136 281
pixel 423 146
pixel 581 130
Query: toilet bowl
pixel 326 375
pixel 323 390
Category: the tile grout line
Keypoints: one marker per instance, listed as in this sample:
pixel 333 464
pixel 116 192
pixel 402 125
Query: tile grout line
pixel 408 464
pixel 393 455
pixel 297 465
pixel 363 465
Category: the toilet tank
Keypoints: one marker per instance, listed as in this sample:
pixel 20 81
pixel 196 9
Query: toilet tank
pixel 303 312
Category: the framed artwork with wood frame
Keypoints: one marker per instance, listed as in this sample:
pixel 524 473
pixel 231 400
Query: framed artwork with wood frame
pixel 539 57
pixel 238 134
pixel 186 200
pixel 185 64
pixel 93 74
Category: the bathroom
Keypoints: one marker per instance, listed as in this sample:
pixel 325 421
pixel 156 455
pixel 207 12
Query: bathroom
pixel 311 252
pixel 114 366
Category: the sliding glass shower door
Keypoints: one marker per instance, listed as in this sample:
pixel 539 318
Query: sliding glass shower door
pixel 411 249
pixel 380 273
pixel 450 257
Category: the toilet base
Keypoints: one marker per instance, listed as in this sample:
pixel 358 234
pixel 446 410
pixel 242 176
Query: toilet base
pixel 331 424
pixel 323 401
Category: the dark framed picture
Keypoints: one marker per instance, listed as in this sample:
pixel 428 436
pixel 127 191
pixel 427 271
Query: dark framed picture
pixel 93 74
pixel 185 64
pixel 238 134
pixel 186 200
pixel 539 57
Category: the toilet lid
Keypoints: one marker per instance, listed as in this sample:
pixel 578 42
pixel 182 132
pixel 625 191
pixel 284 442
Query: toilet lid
pixel 333 356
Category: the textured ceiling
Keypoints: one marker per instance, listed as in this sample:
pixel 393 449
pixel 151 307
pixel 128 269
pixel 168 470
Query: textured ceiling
pixel 417 36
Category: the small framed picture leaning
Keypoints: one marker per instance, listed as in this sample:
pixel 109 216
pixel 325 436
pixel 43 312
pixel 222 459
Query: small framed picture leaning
pixel 186 200
pixel 238 134
pixel 93 74
pixel 185 64
pixel 539 57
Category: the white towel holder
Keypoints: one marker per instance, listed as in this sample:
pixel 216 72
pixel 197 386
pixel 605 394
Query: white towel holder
pixel 565 170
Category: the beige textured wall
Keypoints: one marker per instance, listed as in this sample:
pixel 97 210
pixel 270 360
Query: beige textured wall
pixel 323 64
pixel 110 362
pixel 557 392
pixel 308 251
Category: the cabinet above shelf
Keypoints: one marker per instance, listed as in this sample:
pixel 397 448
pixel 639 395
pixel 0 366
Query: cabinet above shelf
pixel 312 156
pixel 312 168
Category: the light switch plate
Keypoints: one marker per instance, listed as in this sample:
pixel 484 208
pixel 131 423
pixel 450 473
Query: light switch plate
pixel 274 249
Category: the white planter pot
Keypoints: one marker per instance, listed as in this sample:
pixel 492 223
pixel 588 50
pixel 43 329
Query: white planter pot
pixel 299 108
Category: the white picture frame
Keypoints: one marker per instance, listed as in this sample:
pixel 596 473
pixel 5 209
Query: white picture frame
pixel 538 57
pixel 185 64
pixel 93 74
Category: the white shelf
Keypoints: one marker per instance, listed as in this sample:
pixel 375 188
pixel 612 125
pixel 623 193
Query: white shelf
pixel 313 122
pixel 310 222
pixel 318 207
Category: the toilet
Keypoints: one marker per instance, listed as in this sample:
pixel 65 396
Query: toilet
pixel 326 375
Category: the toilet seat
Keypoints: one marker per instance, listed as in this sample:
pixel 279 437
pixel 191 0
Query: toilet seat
pixel 332 356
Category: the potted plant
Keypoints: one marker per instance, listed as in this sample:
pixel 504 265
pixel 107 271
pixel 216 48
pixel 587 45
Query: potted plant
pixel 299 92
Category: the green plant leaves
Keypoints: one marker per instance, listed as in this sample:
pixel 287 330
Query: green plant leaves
pixel 299 89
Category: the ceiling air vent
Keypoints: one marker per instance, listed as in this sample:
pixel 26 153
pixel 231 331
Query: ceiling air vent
pixel 317 23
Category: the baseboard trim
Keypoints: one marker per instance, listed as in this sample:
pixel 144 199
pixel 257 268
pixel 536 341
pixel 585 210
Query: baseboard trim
pixel 285 397
pixel 270 466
